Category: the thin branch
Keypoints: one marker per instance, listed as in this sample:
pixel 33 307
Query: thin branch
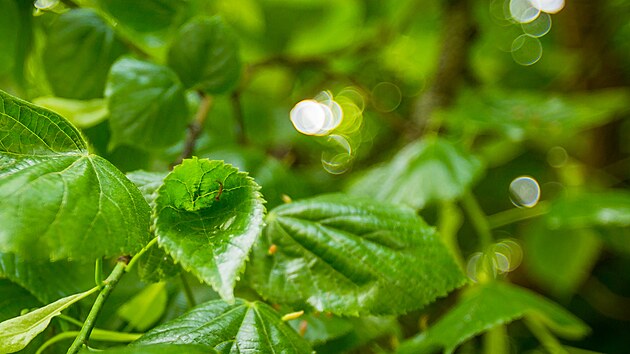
pixel 194 129
pixel 239 123
pixel 190 297
pixel 478 219
pixel 90 321
pixel 515 215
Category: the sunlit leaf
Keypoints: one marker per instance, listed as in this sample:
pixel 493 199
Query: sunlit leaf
pixel 146 103
pixel 490 305
pixel 81 113
pixel 204 54
pixel 351 256
pixel 56 199
pixel 80 49
pixel 423 172
pixel 240 327
pixel 17 332
pixel 146 307
pixel 208 216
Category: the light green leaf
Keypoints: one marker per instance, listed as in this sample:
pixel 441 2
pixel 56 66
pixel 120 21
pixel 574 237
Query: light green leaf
pixel 56 199
pixel 351 256
pixel 16 333
pixel 423 172
pixel 146 307
pixel 146 15
pixel 560 260
pixel 81 113
pixel 488 306
pixel 79 51
pixel 230 328
pixel 146 103
pixel 205 55
pixel 611 209
pixel 156 264
pixel 208 216
pixel 157 349
pixel 47 281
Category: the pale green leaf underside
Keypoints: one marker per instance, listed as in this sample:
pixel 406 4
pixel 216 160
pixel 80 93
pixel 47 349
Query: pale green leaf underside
pixel 57 200
pixel 490 305
pixel 611 209
pixel 16 333
pixel 146 103
pixel 242 327
pixel 157 349
pixel 351 256
pixel 421 173
pixel 146 307
pixel 209 233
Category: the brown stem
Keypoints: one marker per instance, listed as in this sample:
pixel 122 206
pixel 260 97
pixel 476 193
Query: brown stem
pixel 194 129
pixel 239 123
pixel 457 35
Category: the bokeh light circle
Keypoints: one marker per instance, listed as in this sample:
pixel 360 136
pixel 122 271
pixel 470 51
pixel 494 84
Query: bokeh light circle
pixel 526 50
pixel 538 27
pixel 524 192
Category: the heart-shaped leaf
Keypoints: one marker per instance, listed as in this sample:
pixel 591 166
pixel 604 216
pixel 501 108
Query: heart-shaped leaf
pixel 56 199
pixel 351 256
pixel 208 215
pixel 242 327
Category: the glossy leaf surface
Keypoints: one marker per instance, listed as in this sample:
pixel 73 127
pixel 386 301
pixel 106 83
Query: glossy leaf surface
pixel 146 103
pixel 56 199
pixel 208 216
pixel 79 51
pixel 423 172
pixel 17 332
pixel 490 305
pixel 204 54
pixel 351 256
pixel 243 327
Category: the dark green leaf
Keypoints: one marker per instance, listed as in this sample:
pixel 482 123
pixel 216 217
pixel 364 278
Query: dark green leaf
pixel 146 103
pixel 240 327
pixel 47 281
pixel 351 256
pixel 205 56
pixel 490 305
pixel 208 216
pixel 157 349
pixel 17 332
pixel 321 328
pixel 145 15
pixel 9 21
pixel 14 299
pixel 423 172
pixel 56 199
pixel 79 51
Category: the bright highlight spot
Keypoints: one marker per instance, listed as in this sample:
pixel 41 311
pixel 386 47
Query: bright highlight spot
pixel 548 6
pixel 309 117
pixel 523 11
pixel 45 4
pixel 524 192
pixel 500 258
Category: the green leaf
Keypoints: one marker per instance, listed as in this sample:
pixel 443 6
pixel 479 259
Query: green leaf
pixel 351 256
pixel 16 333
pixel 321 328
pixel 610 209
pixel 560 260
pixel 81 113
pixel 79 51
pixel 14 299
pixel 144 309
pixel 10 19
pixel 208 216
pixel 423 172
pixel 156 264
pixel 56 199
pixel 204 54
pixel 364 331
pixel 47 281
pixel 146 103
pixel 157 349
pixel 146 15
pixel 488 306
pixel 230 328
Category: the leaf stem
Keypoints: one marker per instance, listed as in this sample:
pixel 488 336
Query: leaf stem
pixel 478 219
pixel 135 258
pixel 190 297
pixel 99 335
pixel 518 214
pixel 194 129
pixel 239 124
pixel 548 340
pixel 98 272
pixel 90 321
